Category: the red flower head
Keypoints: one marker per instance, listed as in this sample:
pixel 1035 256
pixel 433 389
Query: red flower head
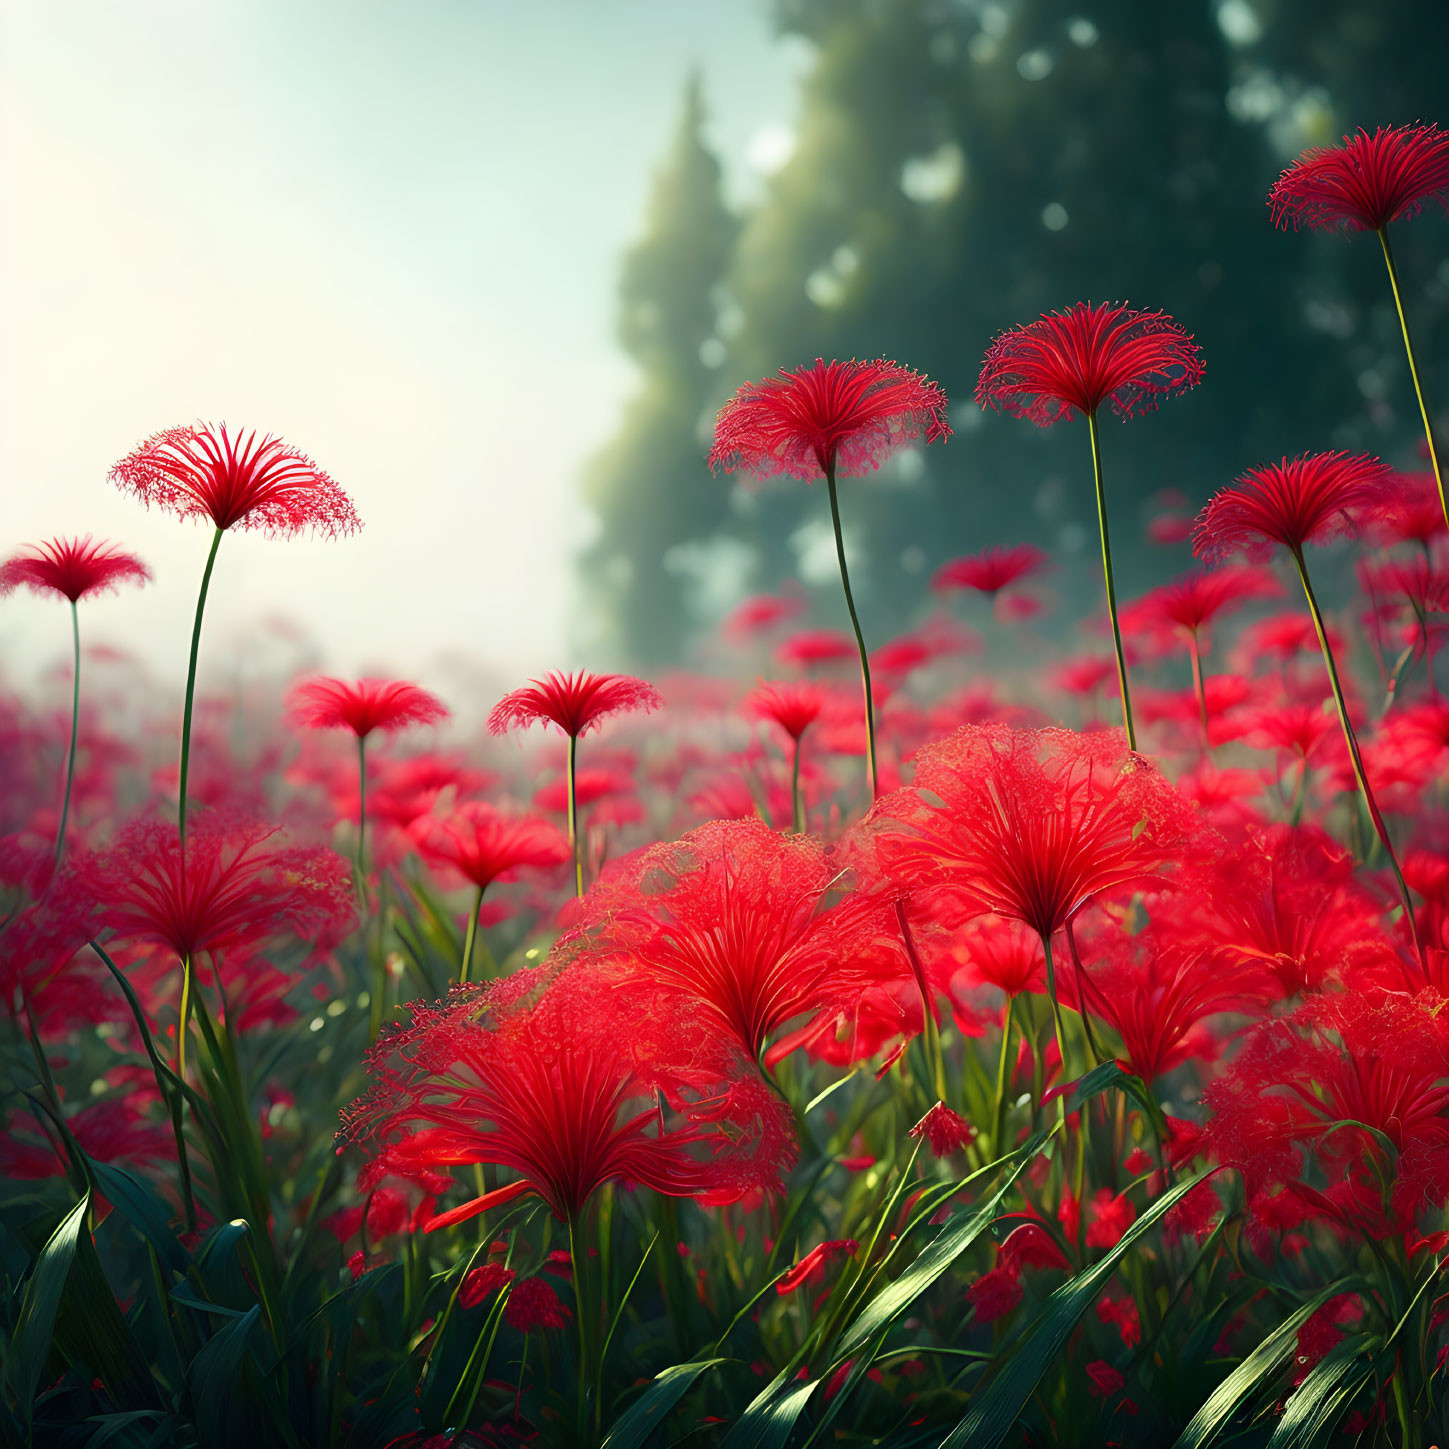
pixel 794 707
pixel 991 570
pixel 574 702
pixel 569 1081
pixel 1085 356
pixel 483 843
pixel 1304 500
pixel 370 704
pixel 944 1130
pixel 1030 825
pixel 1188 604
pixel 74 568
pixel 846 417
pixel 206 472
pixel 812 1265
pixel 235 888
pixel 1365 183
pixel 816 646
pixel 532 1303
pixel 732 917
pixel 758 614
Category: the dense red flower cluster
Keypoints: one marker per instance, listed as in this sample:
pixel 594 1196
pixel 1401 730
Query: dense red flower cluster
pixel 74 568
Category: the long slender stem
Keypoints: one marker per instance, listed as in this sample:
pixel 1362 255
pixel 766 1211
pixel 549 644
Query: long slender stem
pixel 797 804
pixel 184 1019
pixel 854 624
pixel 191 687
pixel 1414 369
pixel 1111 584
pixel 362 816
pixel 587 1307
pixel 1351 740
pixel 998 1117
pixel 472 932
pixel 1195 649
pixel 74 732
pixel 929 1026
pixel 573 797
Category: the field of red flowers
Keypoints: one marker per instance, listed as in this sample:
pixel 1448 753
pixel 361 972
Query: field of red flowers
pixel 880 1052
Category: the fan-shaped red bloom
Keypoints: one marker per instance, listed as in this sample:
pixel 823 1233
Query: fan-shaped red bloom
pixel 576 703
pixel 1196 599
pixel 483 843
pixel 570 1082
pixel 369 704
pixel 1085 356
pixel 234 887
pixel 816 646
pixel 1298 501
pixel 991 570
pixel 74 568
pixel 235 481
pixel 794 707
pixel 1030 824
pixel 847 417
pixel 1367 182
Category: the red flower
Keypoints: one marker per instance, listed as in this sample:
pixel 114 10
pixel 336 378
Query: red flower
pixel 206 472
pixel 532 1303
pixel 1003 954
pixel 991 570
pixel 1106 1380
pixel 812 1265
pixel 1108 1216
pixel 816 646
pixel 1189 603
pixel 483 843
pixel 1365 183
pixel 563 1077
pixel 574 702
pixel 1310 499
pixel 1085 356
pixel 370 704
pixel 995 1293
pixel 74 568
pixel 794 707
pixel 758 614
pixel 944 1130
pixel 480 1283
pixel 234 888
pixel 835 416
pixel 1030 825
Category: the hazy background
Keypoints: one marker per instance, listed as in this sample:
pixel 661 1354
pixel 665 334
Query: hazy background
pixel 495 266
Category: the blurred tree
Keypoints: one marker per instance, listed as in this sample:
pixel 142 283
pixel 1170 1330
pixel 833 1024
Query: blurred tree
pixel 961 166
pixel 646 487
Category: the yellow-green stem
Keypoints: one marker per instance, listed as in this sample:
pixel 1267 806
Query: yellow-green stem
pixel 472 932
pixel 587 1307
pixel 998 1118
pixel 191 691
pixel 1414 369
pixel 1351 740
pixel 1111 584
pixel 855 625
pixel 797 803
pixel 362 817
pixel 185 1018
pixel 74 731
pixel 573 803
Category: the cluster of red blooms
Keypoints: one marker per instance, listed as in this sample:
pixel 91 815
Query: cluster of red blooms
pixel 1202 902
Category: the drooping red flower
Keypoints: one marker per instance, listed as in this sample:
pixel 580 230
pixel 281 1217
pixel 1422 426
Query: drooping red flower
pixel 571 1081
pixel 235 480
pixel 943 1130
pixel 1309 499
pixel 846 417
pixel 322 703
pixel 792 706
pixel 812 1265
pixel 1367 182
pixel 481 1283
pixel 1078 359
pixel 734 918
pixel 74 568
pixel 991 570
pixel 235 887
pixel 576 703
pixel 483 843
pixel 1030 825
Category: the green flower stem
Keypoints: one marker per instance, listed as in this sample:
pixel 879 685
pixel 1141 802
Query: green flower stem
pixel 1051 973
pixel 1414 368
pixel 74 732
pixel 184 1019
pixel 797 804
pixel 998 1117
pixel 191 689
pixel 362 818
pixel 854 624
pixel 1351 740
pixel 472 933
pixel 931 1030
pixel 586 1306
pixel 574 816
pixel 1111 585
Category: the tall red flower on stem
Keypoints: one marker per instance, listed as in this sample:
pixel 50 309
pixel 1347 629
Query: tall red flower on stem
pixel 991 570
pixel 1074 362
pixel 483 844
pixel 1363 185
pixel 236 481
pixel 794 707
pixel 575 703
pixel 1289 505
pixel 823 421
pixel 74 569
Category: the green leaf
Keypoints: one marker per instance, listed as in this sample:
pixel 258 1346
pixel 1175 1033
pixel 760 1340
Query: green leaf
pixel 771 1415
pixel 1316 1406
pixel 144 1209
pixel 35 1329
pixel 216 1376
pixel 648 1411
pixel 1258 1369
pixel 992 1414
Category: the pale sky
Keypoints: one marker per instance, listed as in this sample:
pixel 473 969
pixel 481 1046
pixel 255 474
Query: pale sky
pixel 388 231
